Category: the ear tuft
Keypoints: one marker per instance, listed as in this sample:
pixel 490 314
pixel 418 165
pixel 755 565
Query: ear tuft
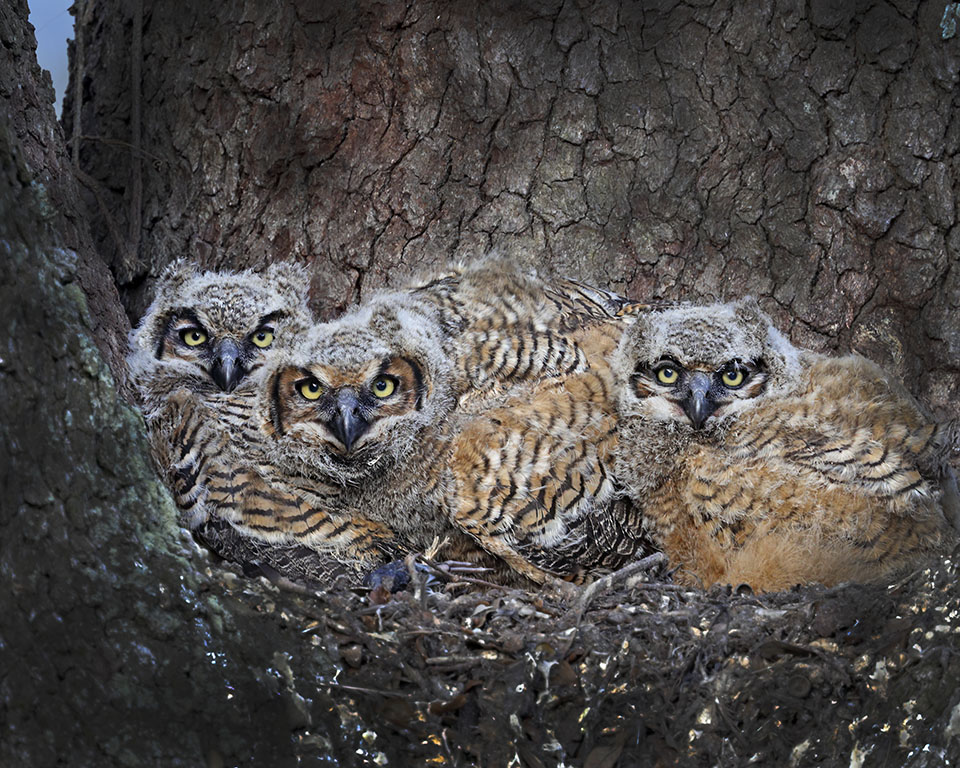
pixel 748 310
pixel 290 279
pixel 145 336
pixel 175 275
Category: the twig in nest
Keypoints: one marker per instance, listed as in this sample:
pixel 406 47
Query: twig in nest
pixel 460 566
pixel 418 581
pixel 601 585
pixel 463 586
pixel 374 691
pixel 288 585
pixel 898 584
pixel 379 609
pixel 453 572
pixel 446 661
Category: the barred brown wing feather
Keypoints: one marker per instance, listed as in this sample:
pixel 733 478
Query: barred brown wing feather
pixel 275 513
pixel 291 561
pixel 534 482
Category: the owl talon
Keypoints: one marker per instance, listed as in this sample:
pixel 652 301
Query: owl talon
pixel 392 577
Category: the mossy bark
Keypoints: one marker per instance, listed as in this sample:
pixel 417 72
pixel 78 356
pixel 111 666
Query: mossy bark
pixel 116 645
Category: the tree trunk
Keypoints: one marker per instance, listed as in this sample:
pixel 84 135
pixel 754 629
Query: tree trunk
pixel 805 153
pixel 801 154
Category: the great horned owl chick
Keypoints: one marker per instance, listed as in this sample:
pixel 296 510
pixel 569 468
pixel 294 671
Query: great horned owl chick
pixel 358 416
pixel 207 334
pixel 756 462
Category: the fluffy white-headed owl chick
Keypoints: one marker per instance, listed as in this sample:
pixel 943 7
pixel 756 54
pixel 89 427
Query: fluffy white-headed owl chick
pixel 402 408
pixel 756 462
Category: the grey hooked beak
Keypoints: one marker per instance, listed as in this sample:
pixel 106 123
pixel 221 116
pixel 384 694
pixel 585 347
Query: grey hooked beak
pixel 228 368
pixel 697 404
pixel 348 423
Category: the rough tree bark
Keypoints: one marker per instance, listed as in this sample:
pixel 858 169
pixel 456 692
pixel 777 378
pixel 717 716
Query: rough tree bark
pixel 804 152
pixel 116 645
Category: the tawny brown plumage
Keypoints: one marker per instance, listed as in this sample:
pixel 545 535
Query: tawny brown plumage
pixel 396 409
pixel 756 462
pixel 533 477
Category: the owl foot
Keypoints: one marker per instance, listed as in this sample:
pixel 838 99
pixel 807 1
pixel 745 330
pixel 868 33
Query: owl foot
pixel 392 577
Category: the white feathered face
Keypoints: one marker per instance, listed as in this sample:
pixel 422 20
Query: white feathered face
pixel 358 395
pixel 699 390
pixel 695 367
pixel 211 331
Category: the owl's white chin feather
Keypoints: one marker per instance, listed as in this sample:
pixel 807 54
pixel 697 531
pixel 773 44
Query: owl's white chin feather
pixel 329 466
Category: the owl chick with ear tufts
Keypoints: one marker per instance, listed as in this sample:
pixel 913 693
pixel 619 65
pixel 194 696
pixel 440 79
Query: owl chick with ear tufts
pixel 197 358
pixel 204 336
pixel 207 332
pixel 474 409
pixel 756 462
pixel 357 418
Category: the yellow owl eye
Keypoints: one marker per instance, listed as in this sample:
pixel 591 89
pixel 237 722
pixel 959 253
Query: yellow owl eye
pixel 732 377
pixel 310 389
pixel 263 338
pixel 667 375
pixel 193 337
pixel 384 386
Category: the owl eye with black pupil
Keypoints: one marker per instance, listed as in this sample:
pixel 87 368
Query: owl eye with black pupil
pixel 667 375
pixel 311 389
pixel 733 377
pixel 263 338
pixel 384 386
pixel 193 337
